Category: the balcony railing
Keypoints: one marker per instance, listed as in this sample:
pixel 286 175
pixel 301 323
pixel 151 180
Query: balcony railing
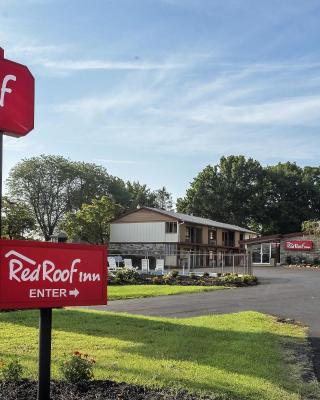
pixel 192 240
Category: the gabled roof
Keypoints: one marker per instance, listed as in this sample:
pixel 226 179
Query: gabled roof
pixel 197 220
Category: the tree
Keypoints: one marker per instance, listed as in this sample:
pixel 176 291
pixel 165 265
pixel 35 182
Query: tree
pixel 45 184
pixel 88 181
pixel 92 222
pixel 53 185
pixel 311 227
pixel 291 197
pixel 163 199
pixel 17 219
pixel 231 192
pixel 140 195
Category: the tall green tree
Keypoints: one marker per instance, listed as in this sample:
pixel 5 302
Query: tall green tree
pixel 231 191
pixel 45 184
pixel 53 185
pixel 291 197
pixel 163 199
pixel 92 222
pixel 18 221
pixel 140 195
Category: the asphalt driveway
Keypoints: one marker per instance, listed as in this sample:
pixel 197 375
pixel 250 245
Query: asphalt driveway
pixel 285 292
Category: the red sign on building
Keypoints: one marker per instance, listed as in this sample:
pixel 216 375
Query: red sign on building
pixel 48 275
pixel 299 245
pixel 16 98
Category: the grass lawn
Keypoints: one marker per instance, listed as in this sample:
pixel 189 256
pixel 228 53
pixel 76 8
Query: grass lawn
pixel 134 291
pixel 240 356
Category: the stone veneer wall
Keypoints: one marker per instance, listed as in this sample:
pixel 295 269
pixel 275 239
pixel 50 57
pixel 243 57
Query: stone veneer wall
pixel 298 256
pixel 153 249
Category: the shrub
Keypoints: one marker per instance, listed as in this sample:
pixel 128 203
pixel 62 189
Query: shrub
pixel 205 275
pixel 231 278
pixel 12 371
pixel 167 279
pixel 157 280
pixel 174 273
pixel 126 274
pixel 193 276
pixel 77 368
pixel 249 279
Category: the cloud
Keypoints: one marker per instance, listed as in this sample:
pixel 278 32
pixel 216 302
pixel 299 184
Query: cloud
pixel 27 50
pixel 292 111
pixel 106 161
pixel 89 107
pixel 83 65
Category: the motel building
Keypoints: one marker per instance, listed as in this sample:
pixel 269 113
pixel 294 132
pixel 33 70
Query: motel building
pixel 293 248
pixel 179 239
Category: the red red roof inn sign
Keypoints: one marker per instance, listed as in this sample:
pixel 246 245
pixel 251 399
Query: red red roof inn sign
pixel 48 275
pixel 16 98
pixel 299 245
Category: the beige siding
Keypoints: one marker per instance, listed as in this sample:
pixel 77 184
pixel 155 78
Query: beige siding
pixel 205 235
pixel 141 232
pixel 144 216
pixel 236 239
pixel 182 236
pixel 219 237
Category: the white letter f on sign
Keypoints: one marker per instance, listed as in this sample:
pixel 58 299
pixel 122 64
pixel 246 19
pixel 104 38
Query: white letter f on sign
pixel 4 88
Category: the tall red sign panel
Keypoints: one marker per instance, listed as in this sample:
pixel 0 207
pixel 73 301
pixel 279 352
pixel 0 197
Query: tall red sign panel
pixel 48 275
pixel 16 98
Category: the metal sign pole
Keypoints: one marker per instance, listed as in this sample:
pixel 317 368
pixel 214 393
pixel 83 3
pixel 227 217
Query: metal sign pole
pixel 1 156
pixel 45 325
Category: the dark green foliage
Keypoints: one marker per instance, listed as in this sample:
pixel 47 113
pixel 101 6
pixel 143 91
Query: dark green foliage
pixel 77 369
pixel 11 370
pixel 17 219
pixel 127 275
pixel 273 199
pixel 158 280
pixel 91 223
pixel 174 273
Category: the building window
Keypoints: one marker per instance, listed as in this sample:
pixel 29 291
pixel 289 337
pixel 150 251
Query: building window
pixel 228 238
pixel 241 245
pixel 262 253
pixel 171 227
pixel 193 234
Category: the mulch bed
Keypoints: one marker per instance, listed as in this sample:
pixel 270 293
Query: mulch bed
pixel 188 281
pixel 96 390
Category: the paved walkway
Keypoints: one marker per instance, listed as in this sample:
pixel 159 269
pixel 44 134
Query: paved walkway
pixel 289 293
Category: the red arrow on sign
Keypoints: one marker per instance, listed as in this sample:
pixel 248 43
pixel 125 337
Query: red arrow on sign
pixel 16 98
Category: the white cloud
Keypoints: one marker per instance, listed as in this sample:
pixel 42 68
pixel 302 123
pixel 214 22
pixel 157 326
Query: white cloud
pixel 106 161
pixel 81 65
pixel 89 107
pixel 293 111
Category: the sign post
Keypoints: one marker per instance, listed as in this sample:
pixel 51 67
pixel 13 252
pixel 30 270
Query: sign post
pixel 45 328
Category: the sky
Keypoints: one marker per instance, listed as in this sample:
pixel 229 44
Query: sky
pixel 155 90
